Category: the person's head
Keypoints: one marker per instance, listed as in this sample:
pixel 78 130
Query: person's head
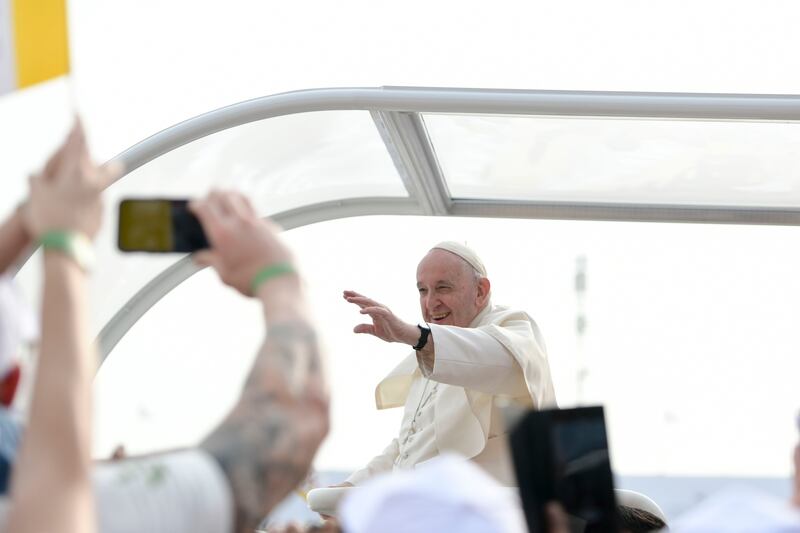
pixel 452 284
pixel 635 520
pixel 447 493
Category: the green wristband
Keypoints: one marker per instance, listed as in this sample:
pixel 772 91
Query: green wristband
pixel 269 272
pixel 75 245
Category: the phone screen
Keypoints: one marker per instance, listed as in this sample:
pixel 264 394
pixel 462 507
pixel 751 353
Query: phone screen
pixel 562 455
pixel 159 226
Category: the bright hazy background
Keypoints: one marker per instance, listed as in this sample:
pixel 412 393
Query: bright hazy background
pixel 691 340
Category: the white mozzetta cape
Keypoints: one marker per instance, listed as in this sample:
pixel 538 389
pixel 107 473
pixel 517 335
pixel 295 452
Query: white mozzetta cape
pixel 478 363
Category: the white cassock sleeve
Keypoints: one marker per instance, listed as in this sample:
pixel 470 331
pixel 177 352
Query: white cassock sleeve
pixel 474 359
pixel 379 464
pixel 177 492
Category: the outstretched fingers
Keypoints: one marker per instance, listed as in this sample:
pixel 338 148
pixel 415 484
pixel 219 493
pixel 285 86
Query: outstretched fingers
pixel 383 321
pixel 364 328
pixel 380 320
pixel 362 301
pixel 350 294
pixel 376 312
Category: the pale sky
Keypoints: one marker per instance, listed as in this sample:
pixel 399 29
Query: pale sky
pixel 691 341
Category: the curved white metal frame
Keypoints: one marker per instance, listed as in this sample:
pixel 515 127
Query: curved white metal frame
pixel 396 110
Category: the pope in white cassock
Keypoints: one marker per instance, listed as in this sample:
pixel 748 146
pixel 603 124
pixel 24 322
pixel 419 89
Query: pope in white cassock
pixel 471 357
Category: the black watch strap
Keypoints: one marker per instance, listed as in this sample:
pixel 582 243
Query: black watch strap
pixel 423 337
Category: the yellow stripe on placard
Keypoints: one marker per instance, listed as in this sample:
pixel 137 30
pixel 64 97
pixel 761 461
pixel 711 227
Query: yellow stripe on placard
pixel 40 40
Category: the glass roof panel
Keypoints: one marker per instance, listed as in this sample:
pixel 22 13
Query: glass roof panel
pixel 651 161
pixel 280 163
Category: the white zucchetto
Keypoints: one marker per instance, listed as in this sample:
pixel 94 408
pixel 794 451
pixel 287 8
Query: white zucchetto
pixel 464 252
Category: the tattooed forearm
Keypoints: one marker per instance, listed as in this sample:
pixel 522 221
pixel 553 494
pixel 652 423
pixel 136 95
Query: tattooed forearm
pixel 267 443
pixel 291 351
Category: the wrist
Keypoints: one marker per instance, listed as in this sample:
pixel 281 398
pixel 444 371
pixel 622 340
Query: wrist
pixel 70 244
pixel 58 264
pixel 281 295
pixel 422 336
pixel 271 272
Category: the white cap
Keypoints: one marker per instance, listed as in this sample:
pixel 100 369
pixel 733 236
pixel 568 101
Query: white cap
pixel 464 252
pixel 17 323
pixel 448 493
pixel 740 510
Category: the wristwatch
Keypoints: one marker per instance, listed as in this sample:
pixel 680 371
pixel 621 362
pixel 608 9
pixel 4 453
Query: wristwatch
pixel 424 331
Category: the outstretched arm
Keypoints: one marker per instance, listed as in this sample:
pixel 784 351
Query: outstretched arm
pixel 466 357
pixel 389 327
pixel 266 444
pixel 51 488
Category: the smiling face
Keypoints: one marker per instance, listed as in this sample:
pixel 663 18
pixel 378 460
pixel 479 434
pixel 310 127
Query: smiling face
pixel 450 292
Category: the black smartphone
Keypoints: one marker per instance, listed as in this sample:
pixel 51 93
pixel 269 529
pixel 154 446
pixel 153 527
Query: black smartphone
pixel 562 455
pixel 159 225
